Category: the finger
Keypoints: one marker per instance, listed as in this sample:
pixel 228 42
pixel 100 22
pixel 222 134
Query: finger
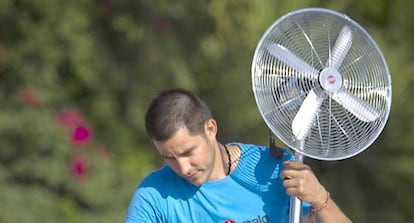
pixel 293 173
pixel 293 188
pixel 286 174
pixel 296 165
pixel 292 181
pixel 293 191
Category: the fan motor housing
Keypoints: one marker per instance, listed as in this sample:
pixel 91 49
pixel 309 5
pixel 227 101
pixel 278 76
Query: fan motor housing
pixel 330 79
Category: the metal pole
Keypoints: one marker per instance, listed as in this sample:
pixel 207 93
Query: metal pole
pixel 296 203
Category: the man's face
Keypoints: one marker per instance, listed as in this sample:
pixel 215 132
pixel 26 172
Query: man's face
pixel 191 156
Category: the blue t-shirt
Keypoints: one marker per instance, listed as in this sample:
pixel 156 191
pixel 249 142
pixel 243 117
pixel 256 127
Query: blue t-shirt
pixel 253 192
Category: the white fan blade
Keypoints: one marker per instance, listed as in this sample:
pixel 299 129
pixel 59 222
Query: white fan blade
pixel 290 59
pixel 342 45
pixel 358 107
pixel 303 120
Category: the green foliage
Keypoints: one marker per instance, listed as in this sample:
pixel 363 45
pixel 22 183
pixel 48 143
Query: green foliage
pixel 102 60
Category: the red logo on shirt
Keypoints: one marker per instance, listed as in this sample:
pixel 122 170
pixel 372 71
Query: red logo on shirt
pixel 229 221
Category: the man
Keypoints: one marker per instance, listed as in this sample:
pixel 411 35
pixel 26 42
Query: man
pixel 207 181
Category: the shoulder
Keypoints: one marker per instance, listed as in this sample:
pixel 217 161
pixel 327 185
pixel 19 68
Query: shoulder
pixel 151 183
pixel 257 169
pixel 148 202
pixel 155 177
pixel 162 183
pixel 261 152
pixel 151 188
pixel 159 183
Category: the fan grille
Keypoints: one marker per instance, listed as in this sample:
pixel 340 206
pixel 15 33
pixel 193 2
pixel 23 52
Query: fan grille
pixel 281 89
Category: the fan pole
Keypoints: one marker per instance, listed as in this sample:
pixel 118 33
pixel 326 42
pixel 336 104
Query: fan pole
pixel 296 203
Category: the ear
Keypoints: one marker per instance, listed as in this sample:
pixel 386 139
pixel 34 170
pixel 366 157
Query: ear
pixel 210 128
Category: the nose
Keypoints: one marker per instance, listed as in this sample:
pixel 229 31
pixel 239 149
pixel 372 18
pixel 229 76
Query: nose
pixel 183 166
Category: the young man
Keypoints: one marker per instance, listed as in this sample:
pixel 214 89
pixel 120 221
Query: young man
pixel 207 181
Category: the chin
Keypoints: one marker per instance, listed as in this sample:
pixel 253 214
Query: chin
pixel 198 182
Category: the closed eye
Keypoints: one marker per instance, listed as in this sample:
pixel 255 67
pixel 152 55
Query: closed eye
pixel 186 153
pixel 168 157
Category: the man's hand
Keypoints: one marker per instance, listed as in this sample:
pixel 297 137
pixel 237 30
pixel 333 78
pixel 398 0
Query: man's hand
pixel 300 181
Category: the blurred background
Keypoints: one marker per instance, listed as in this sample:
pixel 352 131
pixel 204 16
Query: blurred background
pixel 76 77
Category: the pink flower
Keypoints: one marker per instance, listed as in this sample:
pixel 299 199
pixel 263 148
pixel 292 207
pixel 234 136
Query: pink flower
pixel 81 135
pixel 79 167
pixel 70 118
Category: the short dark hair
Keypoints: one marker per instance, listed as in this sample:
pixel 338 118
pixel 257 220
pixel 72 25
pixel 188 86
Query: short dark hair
pixel 173 109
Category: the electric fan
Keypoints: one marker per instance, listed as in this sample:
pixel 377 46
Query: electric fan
pixel 321 85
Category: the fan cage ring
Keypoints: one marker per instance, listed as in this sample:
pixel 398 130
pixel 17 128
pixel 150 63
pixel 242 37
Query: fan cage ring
pixel 280 89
